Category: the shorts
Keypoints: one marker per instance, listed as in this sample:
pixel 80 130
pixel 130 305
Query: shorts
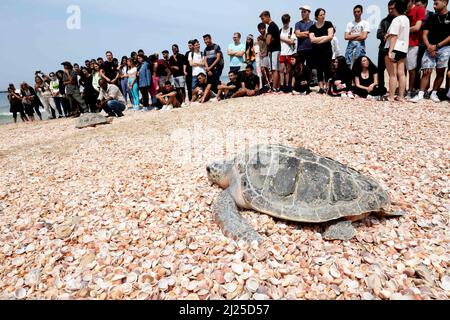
pixel 286 59
pixel 275 61
pixel 438 62
pixel 179 82
pixel 411 62
pixel 399 55
pixel 265 62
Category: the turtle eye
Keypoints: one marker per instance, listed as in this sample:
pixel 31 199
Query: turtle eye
pixel 208 169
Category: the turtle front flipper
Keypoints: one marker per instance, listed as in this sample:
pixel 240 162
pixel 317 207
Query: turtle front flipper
pixel 230 221
pixel 342 230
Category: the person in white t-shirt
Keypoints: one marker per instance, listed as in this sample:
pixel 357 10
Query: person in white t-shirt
pixel 356 34
pixel 288 42
pixel 335 46
pixel 397 43
pixel 198 63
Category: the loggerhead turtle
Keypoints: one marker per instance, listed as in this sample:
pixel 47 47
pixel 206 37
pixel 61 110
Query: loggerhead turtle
pixel 295 185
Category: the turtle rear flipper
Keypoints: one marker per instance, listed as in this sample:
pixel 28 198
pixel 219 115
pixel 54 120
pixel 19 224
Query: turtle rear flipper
pixel 232 224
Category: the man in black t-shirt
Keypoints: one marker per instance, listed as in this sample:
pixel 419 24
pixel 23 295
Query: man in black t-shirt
pixel 177 63
pixel 168 97
pixel 274 48
pixel 109 70
pixel 203 91
pixel 436 37
pixel 227 91
pixel 188 69
pixel 249 83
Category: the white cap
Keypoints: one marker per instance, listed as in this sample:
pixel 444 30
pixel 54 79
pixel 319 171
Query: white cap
pixel 305 7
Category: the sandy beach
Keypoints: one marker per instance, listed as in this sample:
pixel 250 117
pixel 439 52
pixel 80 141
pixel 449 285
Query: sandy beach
pixel 123 211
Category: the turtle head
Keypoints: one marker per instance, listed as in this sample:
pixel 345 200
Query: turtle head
pixel 220 173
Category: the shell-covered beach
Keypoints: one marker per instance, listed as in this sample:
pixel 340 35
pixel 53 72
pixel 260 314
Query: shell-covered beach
pixel 124 211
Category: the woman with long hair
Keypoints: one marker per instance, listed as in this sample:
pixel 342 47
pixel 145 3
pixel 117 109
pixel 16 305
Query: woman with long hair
pixel 250 55
pixel 366 79
pixel 30 101
pixel 123 71
pixel 132 83
pixel 44 93
pixel 340 84
pixel 96 76
pixel 15 102
pixel 321 34
pixel 90 94
pixel 397 43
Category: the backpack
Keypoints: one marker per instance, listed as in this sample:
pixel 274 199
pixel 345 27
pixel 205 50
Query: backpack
pixel 290 31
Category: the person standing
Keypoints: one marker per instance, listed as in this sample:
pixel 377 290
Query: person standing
pixel 109 70
pixel 133 84
pixel 44 93
pixel 90 94
pixel 163 69
pixel 123 75
pixel 188 69
pixel 62 91
pixel 321 34
pixel 397 41
pixel 73 90
pixel 250 54
pixel 56 94
pixel 15 102
pixel 304 47
pixel 288 41
pixel 436 36
pixel 177 67
pixel 264 60
pixel 274 46
pixel 30 101
pixel 416 16
pixel 198 63
pixel 144 83
pixel 356 34
pixel 381 35
pixel 236 51
pixel 214 60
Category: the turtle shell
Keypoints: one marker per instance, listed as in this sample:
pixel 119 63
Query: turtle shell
pixel 297 185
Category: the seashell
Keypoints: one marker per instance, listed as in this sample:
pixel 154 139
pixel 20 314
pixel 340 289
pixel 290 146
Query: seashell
pixel 185 208
pixel 115 293
pixel 193 246
pixel 385 294
pixel 17 262
pixel 445 283
pixel 334 272
pixel 252 285
pixel 367 296
pixel 126 288
pixel 142 295
pixel 192 285
pixel 219 276
pixel 231 287
pixel 132 277
pixel 230 248
pixel 163 284
pixel 425 274
pixel 259 296
pixel 374 282
pixel 145 278
pixel 20 293
pixel 118 277
pixel 228 277
pixel 237 268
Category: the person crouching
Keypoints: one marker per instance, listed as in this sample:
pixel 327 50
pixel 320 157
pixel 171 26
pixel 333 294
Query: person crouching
pixel 110 99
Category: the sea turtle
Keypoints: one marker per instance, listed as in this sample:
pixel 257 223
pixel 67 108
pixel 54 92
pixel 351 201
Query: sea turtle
pixel 91 120
pixel 295 185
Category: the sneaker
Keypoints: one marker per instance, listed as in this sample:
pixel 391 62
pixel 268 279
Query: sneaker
pixel 214 100
pixel 350 95
pixel 427 95
pixel 416 99
pixel 169 107
pixel 434 97
pixel 184 105
pixel 343 95
pixel 369 97
pixel 409 95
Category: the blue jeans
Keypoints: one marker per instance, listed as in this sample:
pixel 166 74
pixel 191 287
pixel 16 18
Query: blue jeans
pixel 125 88
pixel 354 51
pixel 194 82
pixel 114 106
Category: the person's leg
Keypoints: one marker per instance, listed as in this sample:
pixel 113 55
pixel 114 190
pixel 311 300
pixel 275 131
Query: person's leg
pixel 124 85
pixel 378 91
pixel 282 71
pixel 349 53
pixel 145 95
pixel 391 68
pixel 240 93
pixel 327 67
pixel 401 78
pixel 78 98
pixel 135 94
pixel 23 116
pixel 174 102
pixel 189 86
pixel 276 70
pixel 38 112
pixel 15 116
pixel 116 107
pixel 194 94
pixel 411 64
pixel 360 92
pixel 360 50
pixel 418 73
pixel 381 68
pixel 52 105
pixel 194 82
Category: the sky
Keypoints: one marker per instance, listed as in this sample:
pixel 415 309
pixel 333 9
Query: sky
pixel 35 34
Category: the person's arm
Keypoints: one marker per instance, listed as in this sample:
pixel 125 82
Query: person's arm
pixel 301 34
pixel 350 37
pixel 69 78
pixel 416 28
pixel 230 52
pixel 286 39
pixel 102 74
pixel 216 62
pixel 268 39
pixel 443 43
pixel 243 85
pixel 134 80
pixel 381 31
pixel 328 38
pixel 358 84
pixel 362 36
pixel 206 93
pixel 393 41
pixel 115 79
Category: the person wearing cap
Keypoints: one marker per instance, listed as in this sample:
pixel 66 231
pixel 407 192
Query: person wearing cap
pixel 356 34
pixel 304 46
pixel 72 90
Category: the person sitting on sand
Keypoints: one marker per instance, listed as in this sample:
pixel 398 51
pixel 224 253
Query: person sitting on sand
pixel 340 84
pixel 168 97
pixel 16 106
pixel 365 75
pixel 249 83
pixel 110 99
pixel 301 76
pixel 203 90
pixel 227 91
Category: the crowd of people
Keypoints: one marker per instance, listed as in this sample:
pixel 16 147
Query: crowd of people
pixel 292 59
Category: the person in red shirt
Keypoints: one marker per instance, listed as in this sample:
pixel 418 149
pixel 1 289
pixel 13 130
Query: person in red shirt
pixel 416 16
